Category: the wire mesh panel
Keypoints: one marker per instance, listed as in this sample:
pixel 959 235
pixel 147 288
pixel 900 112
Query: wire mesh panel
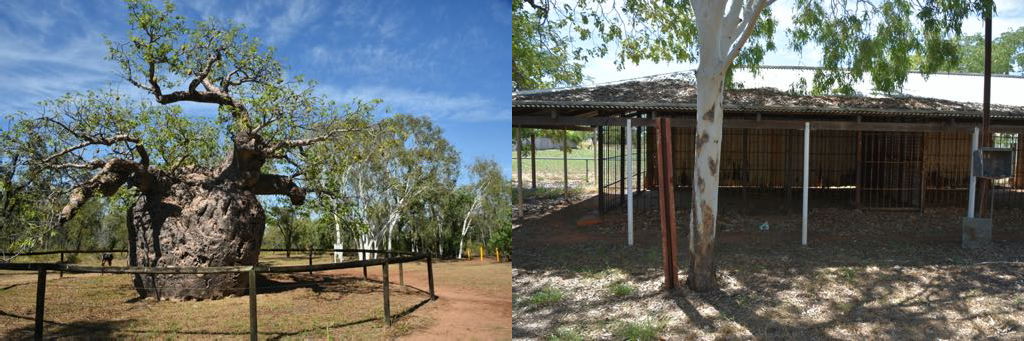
pixel 611 161
pixel 891 165
pixel 1009 192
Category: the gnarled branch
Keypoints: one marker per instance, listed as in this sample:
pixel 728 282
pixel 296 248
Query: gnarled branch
pixel 272 184
pixel 115 173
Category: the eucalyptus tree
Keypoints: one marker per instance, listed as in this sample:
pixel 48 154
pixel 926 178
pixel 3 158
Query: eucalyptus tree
pixel 194 180
pixel 857 38
pixel 406 160
pixel 486 188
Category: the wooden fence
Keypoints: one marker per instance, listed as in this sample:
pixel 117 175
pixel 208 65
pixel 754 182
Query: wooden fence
pixel 399 258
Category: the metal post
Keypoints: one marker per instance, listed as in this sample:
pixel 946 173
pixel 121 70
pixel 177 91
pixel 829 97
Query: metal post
pixel 667 202
pixel 387 292
pixel 310 259
pixel 533 161
pixel 364 267
pixel 252 304
pixel 62 262
pixel 430 276
pixel 565 162
pixel 629 182
pixel 40 300
pixel 974 180
pixel 600 169
pixel 807 178
pixel 984 209
pixel 622 165
pixel 519 168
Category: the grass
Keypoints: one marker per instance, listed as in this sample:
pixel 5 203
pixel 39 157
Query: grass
pixel 621 289
pixel 566 334
pixel 648 329
pixel 546 296
pixel 581 165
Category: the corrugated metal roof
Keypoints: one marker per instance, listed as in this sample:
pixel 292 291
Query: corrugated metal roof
pixel 671 92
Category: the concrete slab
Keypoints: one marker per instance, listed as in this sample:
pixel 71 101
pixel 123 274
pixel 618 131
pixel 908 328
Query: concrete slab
pixel 977 232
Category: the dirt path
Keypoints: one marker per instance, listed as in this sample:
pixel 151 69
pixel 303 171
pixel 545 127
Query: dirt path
pixel 462 311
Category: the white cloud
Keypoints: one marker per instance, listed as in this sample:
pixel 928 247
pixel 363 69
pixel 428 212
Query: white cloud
pixel 297 14
pixel 441 107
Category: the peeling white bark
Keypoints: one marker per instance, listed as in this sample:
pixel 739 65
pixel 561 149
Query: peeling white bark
pixel 721 36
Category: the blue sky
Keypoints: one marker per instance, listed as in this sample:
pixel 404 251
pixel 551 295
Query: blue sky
pixel 444 59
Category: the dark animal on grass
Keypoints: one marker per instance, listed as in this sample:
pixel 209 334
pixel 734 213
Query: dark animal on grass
pixel 107 259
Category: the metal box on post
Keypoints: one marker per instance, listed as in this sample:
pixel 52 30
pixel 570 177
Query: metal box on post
pixel 993 163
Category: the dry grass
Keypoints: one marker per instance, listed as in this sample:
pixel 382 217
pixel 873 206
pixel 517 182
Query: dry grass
pixel 866 275
pixel 289 305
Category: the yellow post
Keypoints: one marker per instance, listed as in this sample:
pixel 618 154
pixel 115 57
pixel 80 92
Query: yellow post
pixel 481 253
pixel 497 254
pixel 469 255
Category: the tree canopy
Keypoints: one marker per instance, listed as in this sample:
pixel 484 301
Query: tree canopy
pixel 857 38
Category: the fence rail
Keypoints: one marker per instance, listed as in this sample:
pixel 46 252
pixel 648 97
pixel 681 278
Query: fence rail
pixel 405 257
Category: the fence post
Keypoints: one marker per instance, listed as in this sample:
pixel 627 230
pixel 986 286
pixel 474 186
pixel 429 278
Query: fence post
pixel 401 276
pixel 364 267
pixel 430 275
pixel 40 299
pixel 497 255
pixel 481 253
pixel 311 259
pixel 252 304
pixel 387 292
pixel 62 262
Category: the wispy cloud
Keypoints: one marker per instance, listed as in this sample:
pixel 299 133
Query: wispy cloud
pixel 441 107
pixel 296 14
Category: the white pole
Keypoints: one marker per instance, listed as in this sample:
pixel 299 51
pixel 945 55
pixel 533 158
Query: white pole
pixel 974 180
pixel 629 180
pixel 807 177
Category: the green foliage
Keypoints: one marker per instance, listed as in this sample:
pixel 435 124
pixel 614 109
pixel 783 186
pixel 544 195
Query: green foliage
pixel 566 334
pixel 883 38
pixel 879 38
pixel 1007 53
pixel 541 56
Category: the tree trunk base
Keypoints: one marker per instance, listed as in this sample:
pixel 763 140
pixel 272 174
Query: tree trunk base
pixel 192 226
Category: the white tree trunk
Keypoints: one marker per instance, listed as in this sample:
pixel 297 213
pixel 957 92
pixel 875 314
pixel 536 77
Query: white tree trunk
pixel 721 36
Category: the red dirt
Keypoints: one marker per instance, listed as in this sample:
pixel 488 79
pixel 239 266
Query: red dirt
pixel 460 313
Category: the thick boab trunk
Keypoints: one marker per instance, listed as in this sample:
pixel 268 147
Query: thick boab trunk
pixel 194 226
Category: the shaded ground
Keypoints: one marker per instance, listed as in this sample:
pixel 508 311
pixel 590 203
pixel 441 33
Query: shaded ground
pixel 326 304
pixel 865 275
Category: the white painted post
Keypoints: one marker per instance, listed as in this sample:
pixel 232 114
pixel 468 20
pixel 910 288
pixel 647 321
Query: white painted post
pixel 974 180
pixel 629 180
pixel 807 177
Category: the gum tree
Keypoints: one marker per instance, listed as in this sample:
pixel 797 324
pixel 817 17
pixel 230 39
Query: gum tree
pixel 194 180
pixel 857 38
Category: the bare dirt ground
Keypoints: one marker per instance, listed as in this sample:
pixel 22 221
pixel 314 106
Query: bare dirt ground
pixel 864 275
pixel 334 304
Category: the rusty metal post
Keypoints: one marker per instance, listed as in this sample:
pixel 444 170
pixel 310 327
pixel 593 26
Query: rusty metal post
pixel 430 276
pixel 252 304
pixel 387 291
pixel 667 203
pixel 40 301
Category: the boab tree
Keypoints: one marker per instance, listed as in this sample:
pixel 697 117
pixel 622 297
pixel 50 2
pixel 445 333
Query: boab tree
pixel 195 180
pixel 876 37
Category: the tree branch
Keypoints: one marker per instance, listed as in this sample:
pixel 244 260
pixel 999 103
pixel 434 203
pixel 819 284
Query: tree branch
pixel 91 141
pixel 273 151
pixel 272 184
pixel 750 19
pixel 115 173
